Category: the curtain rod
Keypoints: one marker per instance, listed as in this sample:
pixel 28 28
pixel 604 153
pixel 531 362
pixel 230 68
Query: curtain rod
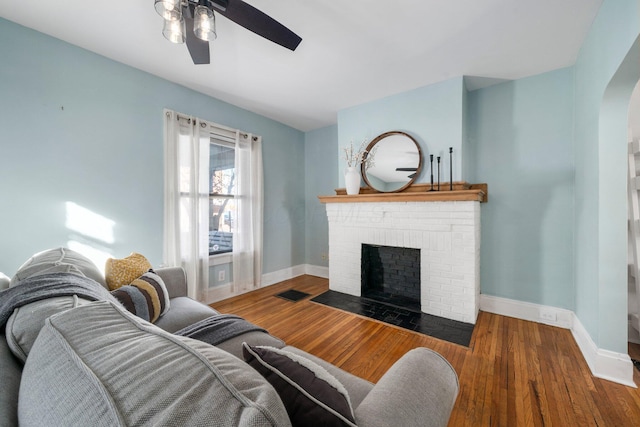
pixel 189 119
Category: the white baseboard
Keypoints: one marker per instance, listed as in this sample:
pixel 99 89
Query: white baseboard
pixel 225 291
pixel 316 270
pixel 278 276
pixel 220 292
pixel 295 271
pixel 605 364
pixel 527 311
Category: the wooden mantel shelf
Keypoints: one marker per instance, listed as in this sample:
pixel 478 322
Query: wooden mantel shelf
pixel 416 193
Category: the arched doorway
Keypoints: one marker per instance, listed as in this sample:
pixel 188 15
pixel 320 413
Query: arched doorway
pixel 613 213
pixel 633 134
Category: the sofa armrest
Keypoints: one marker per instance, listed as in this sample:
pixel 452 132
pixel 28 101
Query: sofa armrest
pixel 175 278
pixel 419 390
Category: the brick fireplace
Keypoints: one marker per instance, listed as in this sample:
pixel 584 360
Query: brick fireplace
pixel 446 233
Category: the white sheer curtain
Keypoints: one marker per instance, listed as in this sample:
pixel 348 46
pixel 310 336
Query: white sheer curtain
pixel 247 236
pixel 186 207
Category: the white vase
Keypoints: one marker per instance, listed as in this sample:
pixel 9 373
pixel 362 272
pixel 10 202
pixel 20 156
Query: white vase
pixel 352 180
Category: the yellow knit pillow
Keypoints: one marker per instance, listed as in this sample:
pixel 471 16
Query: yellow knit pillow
pixel 120 272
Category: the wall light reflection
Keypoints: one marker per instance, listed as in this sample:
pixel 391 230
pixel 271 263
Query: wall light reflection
pixel 97 256
pixel 93 231
pixel 89 224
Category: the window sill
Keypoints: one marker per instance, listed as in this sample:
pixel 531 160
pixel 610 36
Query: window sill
pixel 219 259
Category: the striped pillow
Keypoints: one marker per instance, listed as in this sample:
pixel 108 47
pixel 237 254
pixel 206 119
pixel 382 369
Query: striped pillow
pixel 146 297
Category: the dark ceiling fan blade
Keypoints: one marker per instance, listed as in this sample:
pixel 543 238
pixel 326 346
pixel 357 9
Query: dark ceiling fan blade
pixel 199 49
pixel 406 169
pixel 260 23
pixel 411 176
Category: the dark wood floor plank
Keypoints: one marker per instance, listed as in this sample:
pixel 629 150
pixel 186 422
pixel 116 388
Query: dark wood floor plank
pixel 514 373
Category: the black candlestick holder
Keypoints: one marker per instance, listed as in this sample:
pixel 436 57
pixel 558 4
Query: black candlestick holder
pixel 450 168
pixel 438 173
pixel 431 168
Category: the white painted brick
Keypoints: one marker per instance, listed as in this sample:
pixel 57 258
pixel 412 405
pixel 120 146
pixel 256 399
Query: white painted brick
pixel 439 292
pixel 431 311
pixel 447 234
pixel 439 306
pixel 439 280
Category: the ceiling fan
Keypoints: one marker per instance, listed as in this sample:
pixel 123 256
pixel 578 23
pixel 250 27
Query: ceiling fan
pixel 194 22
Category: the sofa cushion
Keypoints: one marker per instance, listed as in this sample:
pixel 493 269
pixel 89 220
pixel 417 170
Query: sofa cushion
pixel 121 272
pixel 25 323
pixel 184 312
pixel 146 297
pixel 10 372
pixel 58 260
pixel 4 281
pixel 235 345
pixel 134 373
pixel 312 396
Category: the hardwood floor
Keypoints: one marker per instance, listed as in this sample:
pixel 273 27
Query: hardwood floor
pixel 515 373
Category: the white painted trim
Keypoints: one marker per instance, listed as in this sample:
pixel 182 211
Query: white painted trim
pixel 225 291
pixel 220 292
pixel 278 276
pixel 220 259
pixel 316 270
pixel 605 364
pixel 295 271
pixel 527 311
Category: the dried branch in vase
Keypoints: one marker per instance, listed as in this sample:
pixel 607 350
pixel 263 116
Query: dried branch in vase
pixel 354 157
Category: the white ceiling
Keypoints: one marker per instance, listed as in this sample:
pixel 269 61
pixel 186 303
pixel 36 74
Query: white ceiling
pixel 352 51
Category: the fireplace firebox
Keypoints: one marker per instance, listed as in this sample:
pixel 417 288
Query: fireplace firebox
pixel 391 275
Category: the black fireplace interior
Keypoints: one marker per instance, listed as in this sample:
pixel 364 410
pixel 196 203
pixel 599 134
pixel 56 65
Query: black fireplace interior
pixel 391 275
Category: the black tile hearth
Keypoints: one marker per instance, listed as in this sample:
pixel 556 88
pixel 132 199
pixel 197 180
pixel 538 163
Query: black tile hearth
pixel 293 295
pixel 437 327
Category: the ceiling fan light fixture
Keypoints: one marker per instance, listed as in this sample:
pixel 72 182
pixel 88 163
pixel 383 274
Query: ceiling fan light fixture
pixel 174 31
pixel 204 23
pixel 170 10
pixel 200 17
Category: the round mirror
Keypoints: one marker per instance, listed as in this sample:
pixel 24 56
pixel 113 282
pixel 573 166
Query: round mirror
pixel 392 163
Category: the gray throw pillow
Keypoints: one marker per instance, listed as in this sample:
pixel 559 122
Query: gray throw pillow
pixel 25 323
pixel 58 260
pixel 313 397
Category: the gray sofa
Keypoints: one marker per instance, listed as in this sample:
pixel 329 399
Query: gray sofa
pixel 94 363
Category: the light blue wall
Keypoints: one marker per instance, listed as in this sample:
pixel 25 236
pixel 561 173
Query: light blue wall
pixel 521 135
pixel 75 126
pixel 432 114
pixel 321 170
pixel 469 159
pixel 515 136
pixel 600 182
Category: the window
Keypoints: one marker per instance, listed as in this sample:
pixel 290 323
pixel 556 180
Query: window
pixel 222 188
pixel 213 203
